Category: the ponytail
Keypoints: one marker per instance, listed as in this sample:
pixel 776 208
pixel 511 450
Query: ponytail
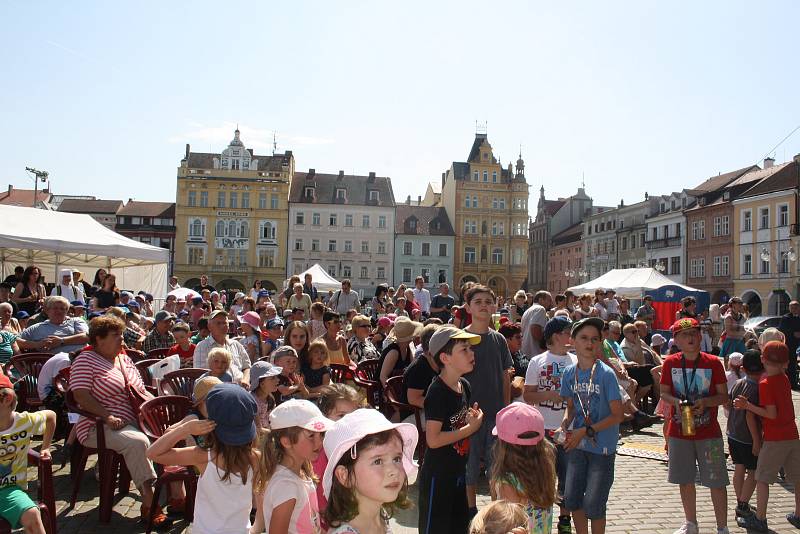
pixel 273 453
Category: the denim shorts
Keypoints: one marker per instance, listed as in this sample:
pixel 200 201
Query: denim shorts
pixel 481 445
pixel 589 480
pixel 561 464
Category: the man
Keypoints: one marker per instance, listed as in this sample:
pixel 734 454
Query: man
pixel 790 326
pixel 16 278
pixel 125 297
pixel 646 312
pixel 67 289
pixel 218 337
pixel 694 380
pixel 309 289
pixel 5 296
pixel 59 333
pixel 533 322
pixel 173 283
pixel 204 285
pixel 442 303
pixel 422 296
pixel 344 299
pixel 170 304
pixel 160 337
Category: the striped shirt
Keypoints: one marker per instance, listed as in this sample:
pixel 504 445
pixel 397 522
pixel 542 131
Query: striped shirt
pixel 105 382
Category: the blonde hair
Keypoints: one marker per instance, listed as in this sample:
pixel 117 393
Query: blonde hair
pixel 534 466
pixel 317 344
pixel 499 517
pixel 221 353
pixel 770 334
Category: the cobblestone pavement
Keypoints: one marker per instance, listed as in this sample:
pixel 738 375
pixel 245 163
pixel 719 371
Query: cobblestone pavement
pixel 641 500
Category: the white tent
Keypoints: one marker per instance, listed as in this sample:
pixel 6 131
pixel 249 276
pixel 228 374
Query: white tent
pixel 629 283
pixel 52 240
pixel 320 278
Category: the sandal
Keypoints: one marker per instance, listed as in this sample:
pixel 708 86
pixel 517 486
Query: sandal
pixel 160 519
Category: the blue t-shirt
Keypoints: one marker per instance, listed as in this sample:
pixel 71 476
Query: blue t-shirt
pixel 604 389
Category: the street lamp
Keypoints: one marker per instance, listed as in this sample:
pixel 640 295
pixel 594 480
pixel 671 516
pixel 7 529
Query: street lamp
pixel 37 175
pixel 660 267
pixel 572 273
pixel 791 257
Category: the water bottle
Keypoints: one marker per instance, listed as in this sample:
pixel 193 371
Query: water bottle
pixel 687 418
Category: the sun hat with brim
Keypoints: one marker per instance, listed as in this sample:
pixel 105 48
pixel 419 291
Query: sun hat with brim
pixel 299 412
pixel 445 333
pixel 405 329
pixel 233 409
pixel 354 427
pixel 253 319
pixel 519 424
pixel 262 369
pixel 588 321
pixel 385 321
pixel 202 387
pixel 657 340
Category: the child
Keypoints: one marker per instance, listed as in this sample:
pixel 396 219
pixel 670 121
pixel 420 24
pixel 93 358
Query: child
pixel 273 337
pixel 263 385
pixel 315 325
pixel 524 469
pixel 202 331
pixel 781 447
pixel 290 382
pixel 183 346
pixel 16 430
pixel 316 374
pixel 370 460
pixel 594 406
pixel 227 467
pixel 744 432
pixel 292 443
pixel 219 364
pixel 734 372
pixel 252 335
pixel 449 422
pixel 500 517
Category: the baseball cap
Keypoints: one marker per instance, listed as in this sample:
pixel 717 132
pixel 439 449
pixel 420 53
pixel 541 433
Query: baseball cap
pixel 751 361
pixel 687 323
pixel 233 409
pixel 238 296
pixel 252 319
pixel 202 387
pixel 5 382
pixel 263 293
pixel 355 426
pixel 126 294
pixel 262 369
pixel 587 321
pixel 91 315
pixel 272 323
pixel 556 325
pixel 78 304
pixel 164 315
pixel 775 352
pixel 298 412
pixel 216 313
pixel 519 424
pixel 22 314
pixel 445 333
pixel 283 350
pixel 134 304
pixel 736 358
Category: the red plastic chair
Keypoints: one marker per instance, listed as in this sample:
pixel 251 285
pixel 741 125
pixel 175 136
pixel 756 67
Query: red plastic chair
pixel 367 376
pixel 340 373
pixel 110 464
pixel 181 382
pixel 394 392
pixel 155 416
pixel 45 494
pixel 135 355
pixel 158 354
pixel 142 366
pixel 28 366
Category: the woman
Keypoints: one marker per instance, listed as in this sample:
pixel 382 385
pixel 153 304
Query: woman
pixel 77 279
pixel 299 300
pixel 295 335
pixel 8 337
pixel 108 294
pixel 7 322
pixel 584 308
pixel 99 379
pixel 379 302
pixel 733 323
pixel 99 276
pixel 334 339
pixel 600 304
pixel 398 353
pixel 29 294
pixel 412 306
pixel 289 290
pixel 255 290
pixel 641 359
pixel 359 347
pixel 519 307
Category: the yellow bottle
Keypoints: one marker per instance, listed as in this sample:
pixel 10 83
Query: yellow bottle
pixel 687 418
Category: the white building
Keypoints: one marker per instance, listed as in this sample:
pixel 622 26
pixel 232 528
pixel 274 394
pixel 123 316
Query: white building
pixel 424 246
pixel 600 239
pixel 346 224
pixel 666 235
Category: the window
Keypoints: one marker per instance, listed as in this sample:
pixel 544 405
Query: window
pixel 517 256
pixel 442 249
pixel 234 199
pixel 203 199
pixel 315 219
pixel 245 200
pixel 494 176
pixel 314 246
pixel 348 246
pixel 494 203
pixel 501 203
pixel 675 265
pixel 764 267
pixel 783 215
pixel 426 249
pixel 381 247
pixel 747 221
pixel 364 271
pixel 195 255
pixel 332 270
pixel 725 228
pixel 783 266
pixel 624 244
pixel 720 265
pixel 406 274
pixel 698 230
pixel 268 230
pixel 494 228
pixel 331 245
pixel 244 230
pixel 382 221
pixel 374 196
pixel 192 199
pixel 441 277
pixel 197 228
pixel 474 201
pixel 347 271
pixel 469 254
pixel 380 273
pixel 262 201
pixel 717 226
pixel 266 257
pixel 747 264
pixel 485 176
pixel 475 176
pixel 466 201
pixel 332 219
pixel 365 247
pixel 300 218
pixel 365 221
pixel 221 199
pixel 412 225
pixel 298 244
pixel 340 194
pixel 273 202
pixel 497 256
pixel 725 268
pixel 697 268
pixel 678 229
pixel 407 248
pixel 308 192
pixel 763 218
pixel 426 275
pixel 220 229
pixel 348 220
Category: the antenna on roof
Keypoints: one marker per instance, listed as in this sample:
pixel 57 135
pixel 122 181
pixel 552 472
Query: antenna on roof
pixel 583 179
pixel 274 143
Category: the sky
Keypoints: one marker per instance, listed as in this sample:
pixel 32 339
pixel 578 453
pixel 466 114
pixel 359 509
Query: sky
pixel 630 96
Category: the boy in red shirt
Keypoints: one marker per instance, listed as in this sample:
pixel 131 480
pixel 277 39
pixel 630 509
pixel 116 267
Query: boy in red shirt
pixel 781 446
pixel 183 346
pixel 696 377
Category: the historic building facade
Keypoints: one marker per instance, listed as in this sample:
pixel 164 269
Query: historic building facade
pixel 423 246
pixel 149 222
pixel 565 265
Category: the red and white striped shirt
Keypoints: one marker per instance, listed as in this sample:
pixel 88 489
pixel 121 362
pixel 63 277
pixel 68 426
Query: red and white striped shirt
pixel 107 385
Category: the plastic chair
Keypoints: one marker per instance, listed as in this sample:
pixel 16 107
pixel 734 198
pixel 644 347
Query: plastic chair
pixel 158 353
pixel 340 372
pixel 135 355
pixel 142 366
pixel 45 494
pixel 367 376
pixel 28 366
pixel 394 392
pixel 110 464
pixel 155 416
pixel 181 382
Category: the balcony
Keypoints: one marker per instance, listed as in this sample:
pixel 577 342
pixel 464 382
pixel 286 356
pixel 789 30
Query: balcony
pixel 663 243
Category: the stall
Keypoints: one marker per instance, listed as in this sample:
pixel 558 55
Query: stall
pixel 320 278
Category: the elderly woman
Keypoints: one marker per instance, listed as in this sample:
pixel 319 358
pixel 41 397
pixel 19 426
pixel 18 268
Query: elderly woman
pixel 359 346
pixel 299 300
pixel 641 359
pixel 7 321
pixel 29 294
pixel 519 306
pixel 413 308
pixel 99 379
pixel 59 333
pixel 398 352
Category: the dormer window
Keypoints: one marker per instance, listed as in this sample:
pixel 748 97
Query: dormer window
pixel 340 193
pixel 309 192
pixel 374 195
pixel 412 225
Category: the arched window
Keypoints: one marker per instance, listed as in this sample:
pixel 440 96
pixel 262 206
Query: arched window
pixel 232 229
pixel 197 228
pixel 244 230
pixel 220 229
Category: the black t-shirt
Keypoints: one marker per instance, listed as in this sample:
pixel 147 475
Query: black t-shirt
pixel 450 408
pixel 200 288
pixel 418 375
pixel 442 301
pixel 106 299
pixel 313 377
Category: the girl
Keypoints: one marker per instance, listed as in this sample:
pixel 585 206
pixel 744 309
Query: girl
pixel 524 468
pixel 500 517
pixel 227 467
pixel 366 480
pixel 315 325
pixel 286 478
pixel 264 384
pixel 251 324
pixel 316 374
pixel 290 383
pixel 219 364
pixel 296 336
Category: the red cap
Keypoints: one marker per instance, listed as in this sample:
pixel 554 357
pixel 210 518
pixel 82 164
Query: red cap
pixel 5 382
pixel 686 323
pixel 503 320
pixel 776 352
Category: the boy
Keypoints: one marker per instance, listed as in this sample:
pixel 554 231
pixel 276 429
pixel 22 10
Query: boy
pixel 16 430
pixel 202 331
pixel 744 433
pixel 543 388
pixel 273 337
pixel 490 381
pixel 696 378
pixel 183 346
pixel 594 407
pixel 449 422
pixel 781 447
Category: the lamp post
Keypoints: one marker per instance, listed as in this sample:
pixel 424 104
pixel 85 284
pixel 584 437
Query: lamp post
pixel 571 273
pixel 37 175
pixel 790 258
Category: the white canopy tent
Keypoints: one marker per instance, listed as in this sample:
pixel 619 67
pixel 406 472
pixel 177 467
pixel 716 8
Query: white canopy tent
pixel 629 283
pixel 320 278
pixel 52 240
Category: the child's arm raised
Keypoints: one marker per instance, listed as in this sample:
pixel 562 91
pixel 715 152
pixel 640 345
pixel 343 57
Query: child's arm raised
pixel 435 438
pixel 163 451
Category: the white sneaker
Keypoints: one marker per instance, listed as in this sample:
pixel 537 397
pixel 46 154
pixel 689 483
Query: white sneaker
pixel 687 528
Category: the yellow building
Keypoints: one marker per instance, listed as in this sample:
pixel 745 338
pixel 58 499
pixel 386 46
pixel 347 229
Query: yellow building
pixel 765 244
pixel 488 206
pixel 231 217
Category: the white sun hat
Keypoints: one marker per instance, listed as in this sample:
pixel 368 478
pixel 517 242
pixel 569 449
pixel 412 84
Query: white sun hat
pixel 355 426
pixel 299 412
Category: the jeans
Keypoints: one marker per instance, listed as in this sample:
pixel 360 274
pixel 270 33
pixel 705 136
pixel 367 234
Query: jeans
pixel 589 480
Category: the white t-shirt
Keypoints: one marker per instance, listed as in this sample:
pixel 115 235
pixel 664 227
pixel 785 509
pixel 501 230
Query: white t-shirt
pixel 612 306
pixel 49 371
pixel 534 315
pixel 602 310
pixel 545 371
pixel 284 486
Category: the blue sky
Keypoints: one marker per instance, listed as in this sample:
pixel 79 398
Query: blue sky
pixel 638 96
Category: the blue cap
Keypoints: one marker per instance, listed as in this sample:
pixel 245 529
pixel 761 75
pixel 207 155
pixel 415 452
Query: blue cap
pixel 78 303
pixel 263 293
pixel 22 314
pixel 95 314
pixel 126 294
pixel 197 300
pixel 273 323
pixel 133 304
pixel 233 409
pixel 556 325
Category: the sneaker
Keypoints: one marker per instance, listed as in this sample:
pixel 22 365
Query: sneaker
pixel 752 523
pixel 744 510
pixel 723 530
pixel 687 528
pixel 564 527
pixel 794 520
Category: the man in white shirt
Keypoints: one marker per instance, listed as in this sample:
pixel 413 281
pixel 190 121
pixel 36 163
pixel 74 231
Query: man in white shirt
pixel 533 322
pixel 345 299
pixel 422 296
pixel 67 289
pixel 218 337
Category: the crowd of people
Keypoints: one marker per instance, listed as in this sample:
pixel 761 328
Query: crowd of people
pixel 530 391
